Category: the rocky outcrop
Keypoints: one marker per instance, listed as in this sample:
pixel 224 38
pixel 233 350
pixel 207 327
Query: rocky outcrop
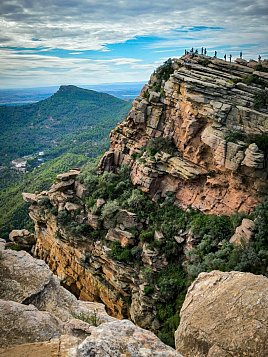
pixel 243 233
pixel 125 337
pixel 22 238
pixel 83 261
pixel 40 318
pixel 225 315
pixel 205 109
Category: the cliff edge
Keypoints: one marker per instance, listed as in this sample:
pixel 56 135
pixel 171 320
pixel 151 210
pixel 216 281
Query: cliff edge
pixel 198 129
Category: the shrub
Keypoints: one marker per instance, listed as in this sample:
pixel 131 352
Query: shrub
pixel 92 320
pixel 161 144
pixel 253 79
pixel 109 209
pixel 261 100
pixel 122 254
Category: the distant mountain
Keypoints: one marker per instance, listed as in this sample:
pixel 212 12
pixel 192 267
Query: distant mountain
pixel 20 96
pixel 73 119
pixel 69 127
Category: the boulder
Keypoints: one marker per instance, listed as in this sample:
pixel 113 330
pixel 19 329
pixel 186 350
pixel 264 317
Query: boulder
pixel 69 206
pixel 243 233
pixel 123 237
pixel 61 186
pixel 127 219
pixel 224 314
pixel 123 338
pixel 29 197
pixel 68 175
pixel 93 220
pixel 80 189
pixel 24 324
pixel 23 237
pixel 22 276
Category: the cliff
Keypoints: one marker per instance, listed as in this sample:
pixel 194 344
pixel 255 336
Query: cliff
pixel 195 137
pixel 40 318
pixel 206 128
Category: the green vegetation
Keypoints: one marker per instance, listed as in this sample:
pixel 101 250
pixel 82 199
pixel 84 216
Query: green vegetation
pixel 13 210
pixel 161 144
pixel 73 119
pixel 253 79
pixel 260 139
pixel 92 320
pixel 261 100
pixel 211 235
pixel 259 67
pixel 162 74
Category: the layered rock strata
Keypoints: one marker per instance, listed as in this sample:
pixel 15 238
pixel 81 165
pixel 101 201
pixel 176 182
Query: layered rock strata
pixel 204 108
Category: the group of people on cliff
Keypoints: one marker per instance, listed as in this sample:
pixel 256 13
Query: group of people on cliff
pixel 193 52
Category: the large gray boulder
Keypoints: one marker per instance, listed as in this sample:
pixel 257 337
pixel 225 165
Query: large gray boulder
pixel 24 324
pixel 225 315
pixel 123 338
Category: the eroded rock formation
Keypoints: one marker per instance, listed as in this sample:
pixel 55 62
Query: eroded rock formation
pixel 205 109
pixel 225 315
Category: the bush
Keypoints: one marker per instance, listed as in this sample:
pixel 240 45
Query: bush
pixel 122 254
pixel 156 145
pixel 253 79
pixel 109 209
pixel 261 100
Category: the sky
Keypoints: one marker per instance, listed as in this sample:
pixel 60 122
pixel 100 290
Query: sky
pixel 59 42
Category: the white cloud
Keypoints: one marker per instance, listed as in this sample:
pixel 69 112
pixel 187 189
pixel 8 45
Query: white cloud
pixel 82 25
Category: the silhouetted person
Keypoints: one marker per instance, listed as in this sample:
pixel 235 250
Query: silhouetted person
pixel 225 57
pixel 202 50
pixel 259 58
pixel 230 58
pixel 196 52
pixel 205 51
pixel 192 50
pixel 241 54
pixel 215 54
pixel 185 52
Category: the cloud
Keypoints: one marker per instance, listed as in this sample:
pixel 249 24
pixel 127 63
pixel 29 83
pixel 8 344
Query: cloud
pixel 78 27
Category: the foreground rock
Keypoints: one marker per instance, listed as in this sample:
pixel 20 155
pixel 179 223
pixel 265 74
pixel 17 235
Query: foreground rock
pixel 38 317
pixel 225 315
pixel 123 338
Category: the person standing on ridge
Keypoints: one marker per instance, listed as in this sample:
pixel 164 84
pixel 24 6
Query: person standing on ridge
pixel 202 50
pixel 215 54
pixel 225 57
pixel 230 58
pixel 205 51
pixel 241 54
pixel 259 58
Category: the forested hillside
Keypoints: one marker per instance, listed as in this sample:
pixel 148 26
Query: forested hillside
pixel 73 119
pixel 70 127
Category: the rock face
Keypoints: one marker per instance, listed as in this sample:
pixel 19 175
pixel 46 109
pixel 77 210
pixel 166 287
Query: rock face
pixel 83 262
pixel 203 107
pixel 38 317
pixel 224 315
